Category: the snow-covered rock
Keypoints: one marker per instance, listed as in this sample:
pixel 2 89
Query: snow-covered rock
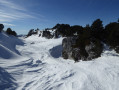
pixel 75 48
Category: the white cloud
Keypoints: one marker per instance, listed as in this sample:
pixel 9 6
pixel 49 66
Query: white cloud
pixel 10 11
pixel 7 24
pixel 12 5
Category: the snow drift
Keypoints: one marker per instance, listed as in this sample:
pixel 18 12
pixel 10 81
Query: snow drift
pixel 8 46
pixel 6 80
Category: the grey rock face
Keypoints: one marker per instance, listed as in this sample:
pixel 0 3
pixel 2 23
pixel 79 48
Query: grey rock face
pixel 87 52
pixel 67 47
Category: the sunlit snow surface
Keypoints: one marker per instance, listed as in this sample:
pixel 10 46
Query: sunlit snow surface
pixel 39 66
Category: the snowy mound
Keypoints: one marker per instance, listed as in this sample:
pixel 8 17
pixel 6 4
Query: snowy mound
pixel 8 46
pixel 43 68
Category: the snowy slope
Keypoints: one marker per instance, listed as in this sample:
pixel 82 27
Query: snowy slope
pixel 8 51
pixel 8 46
pixel 41 67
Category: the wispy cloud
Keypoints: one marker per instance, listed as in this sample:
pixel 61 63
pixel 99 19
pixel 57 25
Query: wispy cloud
pixel 11 5
pixel 7 24
pixel 10 11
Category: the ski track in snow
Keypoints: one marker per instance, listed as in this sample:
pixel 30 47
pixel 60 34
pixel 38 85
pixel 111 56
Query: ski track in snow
pixel 41 67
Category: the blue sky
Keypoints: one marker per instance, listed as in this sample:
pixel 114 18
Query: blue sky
pixel 23 15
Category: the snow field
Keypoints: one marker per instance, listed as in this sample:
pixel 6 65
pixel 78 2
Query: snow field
pixel 41 67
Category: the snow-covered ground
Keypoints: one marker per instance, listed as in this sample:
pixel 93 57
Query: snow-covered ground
pixel 37 65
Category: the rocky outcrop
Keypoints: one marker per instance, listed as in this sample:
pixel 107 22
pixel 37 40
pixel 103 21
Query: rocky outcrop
pixel 47 34
pixel 75 49
pixel 32 32
pixel 67 47
pixel 56 34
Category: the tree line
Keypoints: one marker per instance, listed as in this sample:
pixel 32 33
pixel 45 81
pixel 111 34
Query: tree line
pixel 108 34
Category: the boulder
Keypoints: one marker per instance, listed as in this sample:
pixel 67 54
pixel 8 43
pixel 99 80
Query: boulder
pixel 67 47
pixel 87 49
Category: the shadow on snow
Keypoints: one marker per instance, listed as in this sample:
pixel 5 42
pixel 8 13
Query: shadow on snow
pixel 56 52
pixel 6 80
